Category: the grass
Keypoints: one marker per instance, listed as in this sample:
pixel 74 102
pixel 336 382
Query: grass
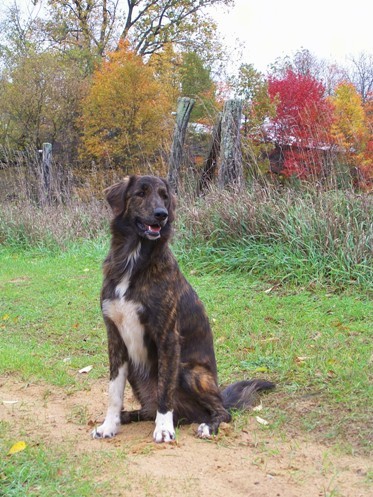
pixel 294 235
pixel 50 317
pixel 299 235
pixel 285 278
pixel 314 342
pixel 39 472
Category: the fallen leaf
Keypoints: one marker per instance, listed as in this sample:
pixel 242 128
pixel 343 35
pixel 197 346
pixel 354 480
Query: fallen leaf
pixel 87 369
pixel 261 421
pixel 301 359
pixel 261 369
pixel 17 447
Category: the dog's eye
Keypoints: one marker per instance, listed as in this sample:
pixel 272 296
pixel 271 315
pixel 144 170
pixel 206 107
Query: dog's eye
pixel 141 193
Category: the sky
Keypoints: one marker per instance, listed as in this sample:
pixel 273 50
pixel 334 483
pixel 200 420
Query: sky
pixel 329 29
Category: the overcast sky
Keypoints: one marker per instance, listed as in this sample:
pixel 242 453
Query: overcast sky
pixel 330 29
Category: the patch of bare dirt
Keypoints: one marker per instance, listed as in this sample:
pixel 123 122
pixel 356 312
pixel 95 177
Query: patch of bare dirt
pixel 249 462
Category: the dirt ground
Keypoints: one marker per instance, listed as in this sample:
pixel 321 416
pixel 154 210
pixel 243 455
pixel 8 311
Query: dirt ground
pixel 241 462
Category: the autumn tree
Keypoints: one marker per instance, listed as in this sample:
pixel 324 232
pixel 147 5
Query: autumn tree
pixel 125 115
pixel 302 122
pixel 166 66
pixel 40 100
pixel 350 130
pixel 302 62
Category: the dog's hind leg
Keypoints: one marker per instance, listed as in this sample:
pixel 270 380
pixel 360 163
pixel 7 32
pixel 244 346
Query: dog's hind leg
pixel 118 358
pixel 127 417
pixel 201 384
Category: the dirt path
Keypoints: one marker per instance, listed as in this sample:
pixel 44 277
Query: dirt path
pixel 239 463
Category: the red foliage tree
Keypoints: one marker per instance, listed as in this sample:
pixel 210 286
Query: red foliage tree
pixel 301 126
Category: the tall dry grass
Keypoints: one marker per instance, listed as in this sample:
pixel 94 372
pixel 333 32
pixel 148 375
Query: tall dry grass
pixel 287 233
pixel 302 233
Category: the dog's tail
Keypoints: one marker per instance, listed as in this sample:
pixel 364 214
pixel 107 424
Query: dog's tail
pixel 244 394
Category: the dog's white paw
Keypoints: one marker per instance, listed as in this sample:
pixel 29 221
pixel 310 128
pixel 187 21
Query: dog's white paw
pixel 204 431
pixel 164 427
pixel 107 430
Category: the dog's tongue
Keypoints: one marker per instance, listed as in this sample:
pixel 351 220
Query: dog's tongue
pixel 154 229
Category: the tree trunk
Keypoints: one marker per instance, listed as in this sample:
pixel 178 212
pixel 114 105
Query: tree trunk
pixel 184 108
pixel 230 171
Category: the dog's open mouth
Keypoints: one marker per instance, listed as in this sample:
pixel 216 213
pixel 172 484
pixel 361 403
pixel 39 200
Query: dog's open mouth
pixel 151 231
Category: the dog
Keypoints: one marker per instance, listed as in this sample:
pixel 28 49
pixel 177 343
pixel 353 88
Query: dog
pixel 159 337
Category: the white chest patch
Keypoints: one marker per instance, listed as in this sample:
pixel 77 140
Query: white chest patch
pixel 125 314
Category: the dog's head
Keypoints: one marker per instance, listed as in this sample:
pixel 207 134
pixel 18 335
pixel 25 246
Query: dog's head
pixel 143 202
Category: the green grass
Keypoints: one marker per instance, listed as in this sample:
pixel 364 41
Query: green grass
pixel 37 472
pixel 42 471
pixel 50 318
pixel 312 341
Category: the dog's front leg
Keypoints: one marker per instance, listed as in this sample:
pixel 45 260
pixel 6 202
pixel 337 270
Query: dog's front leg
pixel 110 426
pixel 168 363
pixel 118 359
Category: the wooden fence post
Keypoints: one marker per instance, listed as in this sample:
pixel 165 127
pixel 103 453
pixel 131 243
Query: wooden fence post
pixel 210 165
pixel 46 162
pixel 184 108
pixel 230 171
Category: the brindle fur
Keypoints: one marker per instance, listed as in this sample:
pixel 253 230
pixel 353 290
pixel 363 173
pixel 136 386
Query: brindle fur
pixel 180 373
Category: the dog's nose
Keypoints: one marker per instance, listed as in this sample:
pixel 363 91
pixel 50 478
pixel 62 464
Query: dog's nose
pixel 160 214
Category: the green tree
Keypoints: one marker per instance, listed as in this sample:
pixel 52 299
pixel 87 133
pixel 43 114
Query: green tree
pixel 197 83
pixel 251 86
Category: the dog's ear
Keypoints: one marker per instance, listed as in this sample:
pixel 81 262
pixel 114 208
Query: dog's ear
pixel 115 195
pixel 172 206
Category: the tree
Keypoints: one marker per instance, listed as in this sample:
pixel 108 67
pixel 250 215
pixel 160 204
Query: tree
pixel 149 25
pixel 361 74
pixel 303 63
pixel 351 132
pixel 125 114
pixel 166 65
pixel 302 122
pixel 252 88
pixel 40 101
pixel 196 83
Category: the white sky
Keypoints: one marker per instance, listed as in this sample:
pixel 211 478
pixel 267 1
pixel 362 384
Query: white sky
pixel 329 29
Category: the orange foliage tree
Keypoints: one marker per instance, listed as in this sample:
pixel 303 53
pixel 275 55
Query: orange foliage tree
pixel 351 132
pixel 126 115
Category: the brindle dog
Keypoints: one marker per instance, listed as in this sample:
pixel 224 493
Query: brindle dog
pixel 159 337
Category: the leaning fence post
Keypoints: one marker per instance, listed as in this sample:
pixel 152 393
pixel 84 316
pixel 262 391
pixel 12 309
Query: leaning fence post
pixel 46 161
pixel 210 165
pixel 230 171
pixel 184 108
